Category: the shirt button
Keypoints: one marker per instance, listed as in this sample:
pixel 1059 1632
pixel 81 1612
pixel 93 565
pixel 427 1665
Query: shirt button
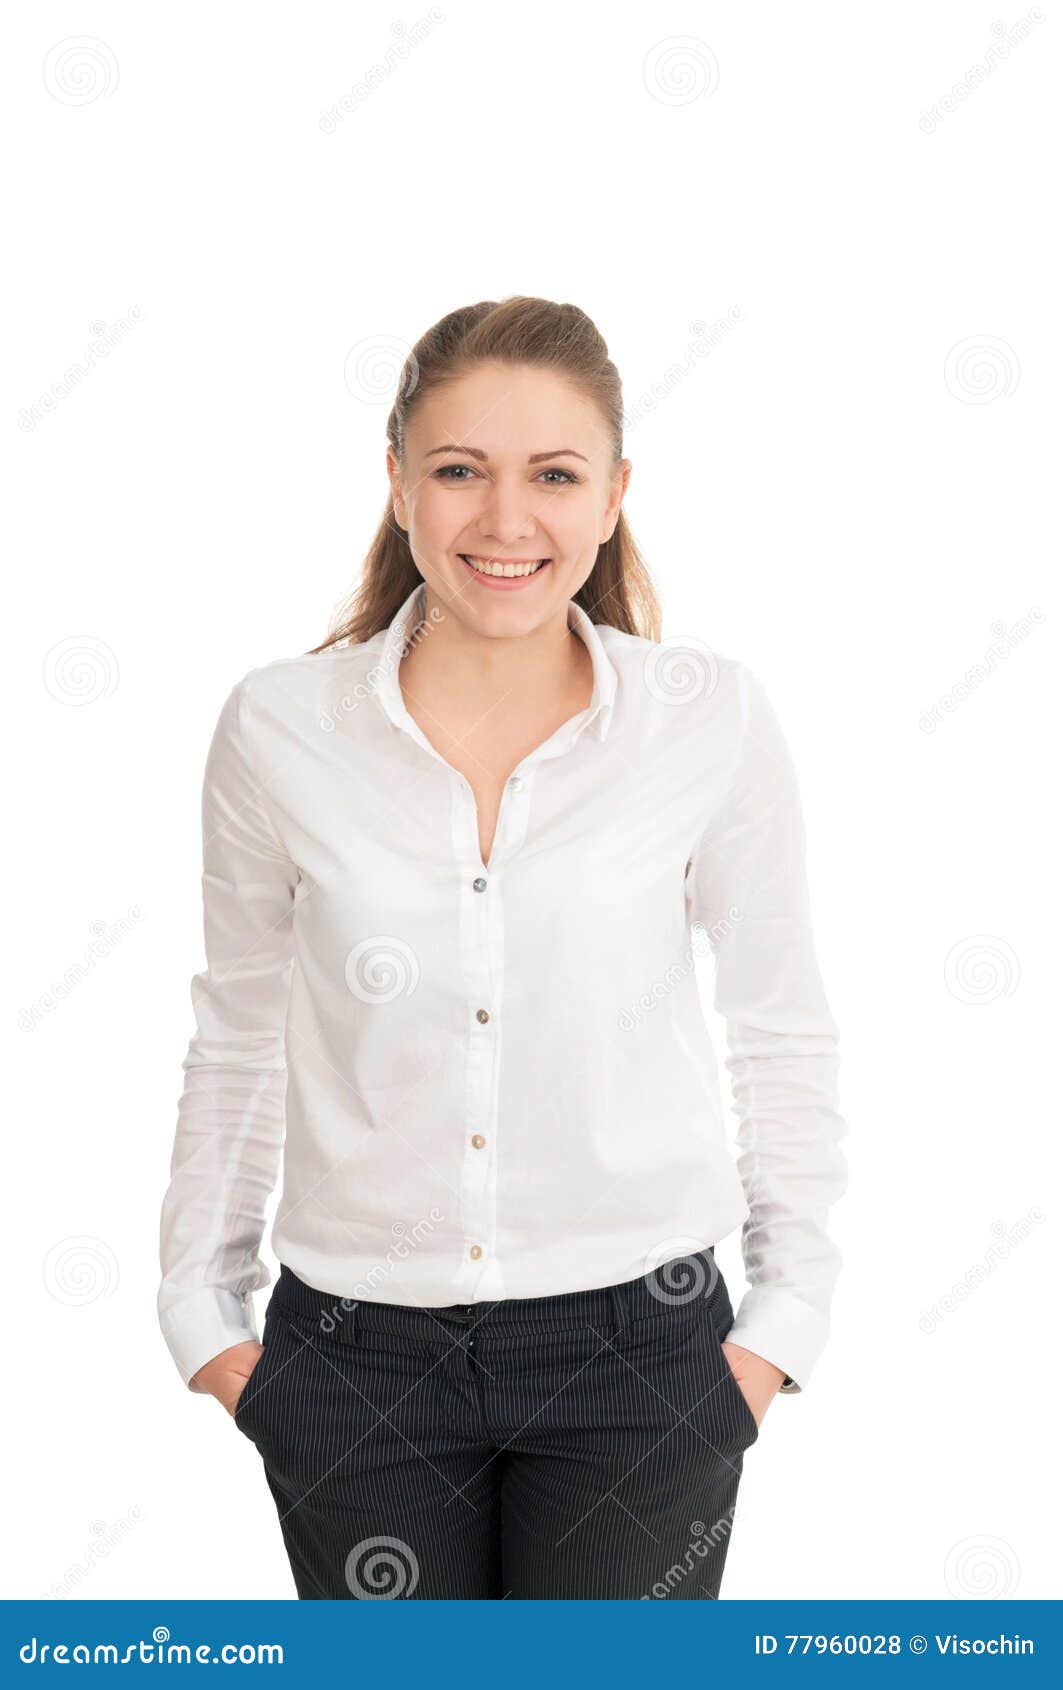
pixel 479 884
pixel 515 783
pixel 478 1140
pixel 482 1015
pixel 476 1252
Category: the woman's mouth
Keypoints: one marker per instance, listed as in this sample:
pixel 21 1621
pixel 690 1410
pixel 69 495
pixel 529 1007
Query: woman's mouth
pixel 505 572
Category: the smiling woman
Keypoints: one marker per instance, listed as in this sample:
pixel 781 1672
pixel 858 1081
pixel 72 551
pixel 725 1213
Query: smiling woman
pixel 505 445
pixel 449 989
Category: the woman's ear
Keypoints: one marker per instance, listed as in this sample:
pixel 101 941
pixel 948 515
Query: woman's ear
pixel 621 477
pixel 398 502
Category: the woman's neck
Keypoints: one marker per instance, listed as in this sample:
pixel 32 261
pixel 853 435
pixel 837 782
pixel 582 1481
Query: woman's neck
pixel 464 674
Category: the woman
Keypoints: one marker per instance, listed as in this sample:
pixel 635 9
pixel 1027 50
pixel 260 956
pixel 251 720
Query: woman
pixel 452 859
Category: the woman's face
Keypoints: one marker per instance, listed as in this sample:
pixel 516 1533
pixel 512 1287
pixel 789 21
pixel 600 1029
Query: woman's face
pixel 508 464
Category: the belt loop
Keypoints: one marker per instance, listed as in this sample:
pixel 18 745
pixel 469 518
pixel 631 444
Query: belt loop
pixel 708 1256
pixel 620 1309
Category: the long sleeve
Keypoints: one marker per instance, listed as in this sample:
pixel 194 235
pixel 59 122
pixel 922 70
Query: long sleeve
pixel 750 891
pixel 230 1125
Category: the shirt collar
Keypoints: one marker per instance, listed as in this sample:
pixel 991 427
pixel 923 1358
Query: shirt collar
pixel 384 676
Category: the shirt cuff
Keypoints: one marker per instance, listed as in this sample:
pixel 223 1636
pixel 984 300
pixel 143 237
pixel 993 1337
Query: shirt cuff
pixel 203 1324
pixel 779 1326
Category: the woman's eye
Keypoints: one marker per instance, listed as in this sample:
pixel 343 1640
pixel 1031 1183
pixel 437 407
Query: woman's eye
pixel 446 472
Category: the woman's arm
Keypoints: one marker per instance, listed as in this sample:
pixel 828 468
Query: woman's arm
pixel 230 1126
pixel 749 889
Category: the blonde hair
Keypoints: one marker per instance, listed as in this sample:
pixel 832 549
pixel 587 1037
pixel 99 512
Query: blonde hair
pixel 517 330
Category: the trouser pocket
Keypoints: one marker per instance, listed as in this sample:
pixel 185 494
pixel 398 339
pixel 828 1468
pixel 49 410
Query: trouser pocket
pixel 719 1318
pixel 248 1403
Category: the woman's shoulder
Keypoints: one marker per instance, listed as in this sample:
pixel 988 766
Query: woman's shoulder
pixel 680 669
pixel 315 683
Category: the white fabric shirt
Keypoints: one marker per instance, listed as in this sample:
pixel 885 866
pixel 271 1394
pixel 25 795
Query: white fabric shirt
pixel 491 1081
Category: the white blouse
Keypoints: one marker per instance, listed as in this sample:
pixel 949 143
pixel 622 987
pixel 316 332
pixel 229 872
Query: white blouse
pixel 495 1080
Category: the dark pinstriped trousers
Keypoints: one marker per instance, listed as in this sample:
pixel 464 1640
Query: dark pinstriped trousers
pixel 586 1445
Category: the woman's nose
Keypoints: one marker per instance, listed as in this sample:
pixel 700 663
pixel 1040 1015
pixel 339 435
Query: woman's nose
pixel 509 513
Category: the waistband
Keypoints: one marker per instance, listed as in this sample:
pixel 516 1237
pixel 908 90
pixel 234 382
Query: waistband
pixel 673 1285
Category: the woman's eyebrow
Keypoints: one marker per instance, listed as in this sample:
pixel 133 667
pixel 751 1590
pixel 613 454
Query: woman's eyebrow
pixel 536 457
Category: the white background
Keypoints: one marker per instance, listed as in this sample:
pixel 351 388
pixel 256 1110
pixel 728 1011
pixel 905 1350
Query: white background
pixel 840 493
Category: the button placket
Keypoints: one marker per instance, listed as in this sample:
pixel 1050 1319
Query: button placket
pixel 481 956
pixel 482 930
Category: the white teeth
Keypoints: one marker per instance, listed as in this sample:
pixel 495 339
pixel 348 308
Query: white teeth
pixel 502 568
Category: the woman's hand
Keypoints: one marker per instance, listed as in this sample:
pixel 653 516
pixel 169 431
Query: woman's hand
pixel 225 1375
pixel 758 1380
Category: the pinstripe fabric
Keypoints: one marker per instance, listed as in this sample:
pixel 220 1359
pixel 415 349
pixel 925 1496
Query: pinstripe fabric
pixel 584 1445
